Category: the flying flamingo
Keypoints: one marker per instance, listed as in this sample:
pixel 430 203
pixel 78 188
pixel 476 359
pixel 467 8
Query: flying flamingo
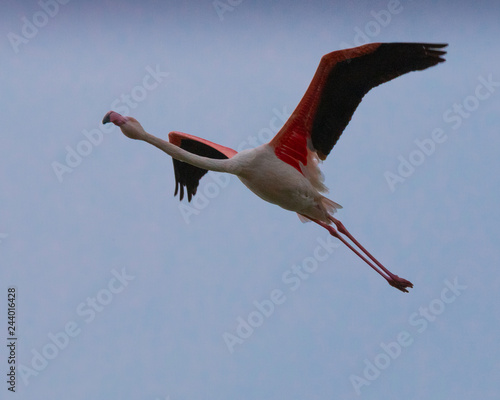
pixel 285 171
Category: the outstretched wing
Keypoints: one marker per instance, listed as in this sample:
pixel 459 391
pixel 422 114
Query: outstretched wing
pixel 186 175
pixel 340 82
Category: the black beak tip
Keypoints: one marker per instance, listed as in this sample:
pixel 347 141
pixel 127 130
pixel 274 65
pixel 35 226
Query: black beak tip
pixel 106 118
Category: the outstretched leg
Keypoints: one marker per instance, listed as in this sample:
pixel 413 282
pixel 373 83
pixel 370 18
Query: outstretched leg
pixel 392 279
pixel 395 280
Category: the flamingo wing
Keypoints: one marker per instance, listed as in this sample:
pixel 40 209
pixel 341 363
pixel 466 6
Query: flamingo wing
pixel 342 79
pixel 186 175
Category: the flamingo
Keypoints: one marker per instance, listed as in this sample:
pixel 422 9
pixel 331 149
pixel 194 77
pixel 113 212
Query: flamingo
pixel 285 171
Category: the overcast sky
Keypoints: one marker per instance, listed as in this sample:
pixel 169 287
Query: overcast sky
pixel 123 292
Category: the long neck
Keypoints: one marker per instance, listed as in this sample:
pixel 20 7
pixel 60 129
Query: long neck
pixel 223 165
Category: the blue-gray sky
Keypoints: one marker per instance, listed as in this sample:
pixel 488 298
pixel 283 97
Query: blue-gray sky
pixel 124 292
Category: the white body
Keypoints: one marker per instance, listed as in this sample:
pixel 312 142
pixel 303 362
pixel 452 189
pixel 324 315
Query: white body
pixel 279 183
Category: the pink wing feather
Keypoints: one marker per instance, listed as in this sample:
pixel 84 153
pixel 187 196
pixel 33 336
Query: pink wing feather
pixel 342 79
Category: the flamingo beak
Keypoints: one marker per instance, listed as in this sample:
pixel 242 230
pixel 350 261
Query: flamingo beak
pixel 107 118
pixel 115 118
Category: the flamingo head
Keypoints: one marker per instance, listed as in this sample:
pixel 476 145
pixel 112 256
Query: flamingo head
pixel 128 125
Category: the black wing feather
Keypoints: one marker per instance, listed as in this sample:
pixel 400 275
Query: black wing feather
pixel 351 79
pixel 188 176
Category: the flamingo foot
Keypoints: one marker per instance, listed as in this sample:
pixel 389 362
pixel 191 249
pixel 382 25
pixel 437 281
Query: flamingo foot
pixel 399 283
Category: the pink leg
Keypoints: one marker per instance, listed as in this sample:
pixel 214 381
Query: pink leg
pixel 392 279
